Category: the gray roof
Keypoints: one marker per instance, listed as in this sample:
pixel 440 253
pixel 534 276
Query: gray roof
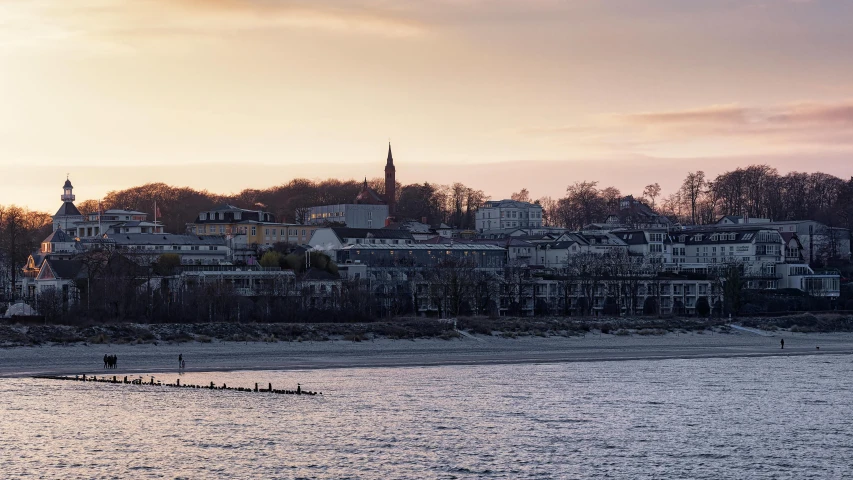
pixel 345 232
pixel 67 209
pixel 509 204
pixel 741 235
pixel 423 246
pixel 67 269
pixel 163 239
pixel 557 245
pixel 58 236
pixel 632 237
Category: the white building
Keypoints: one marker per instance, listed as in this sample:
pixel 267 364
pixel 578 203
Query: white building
pixel 504 214
pixel 93 224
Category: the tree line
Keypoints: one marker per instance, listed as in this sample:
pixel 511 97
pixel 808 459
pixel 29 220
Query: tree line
pixel 21 232
pixel 454 204
pixel 756 191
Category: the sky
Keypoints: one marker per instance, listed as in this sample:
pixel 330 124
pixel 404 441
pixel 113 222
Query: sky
pixel 230 94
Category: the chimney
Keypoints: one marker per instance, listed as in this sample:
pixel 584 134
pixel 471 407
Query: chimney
pixel 387 221
pixel 423 220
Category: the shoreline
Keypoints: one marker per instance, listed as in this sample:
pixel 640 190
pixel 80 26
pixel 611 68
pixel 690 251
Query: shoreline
pixel 30 361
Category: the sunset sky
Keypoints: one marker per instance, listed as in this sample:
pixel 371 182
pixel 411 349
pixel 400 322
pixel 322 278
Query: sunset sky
pixel 499 94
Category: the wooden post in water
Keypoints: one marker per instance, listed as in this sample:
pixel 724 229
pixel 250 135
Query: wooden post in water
pixel 178 382
pixel 256 386
pixel 270 390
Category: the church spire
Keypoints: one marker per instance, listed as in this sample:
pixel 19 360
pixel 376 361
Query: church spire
pixel 390 184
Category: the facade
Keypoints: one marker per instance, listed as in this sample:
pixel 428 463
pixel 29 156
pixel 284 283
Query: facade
pixel 423 255
pixel 146 248
pixel 818 240
pixel 506 214
pixel 254 228
pixel 354 215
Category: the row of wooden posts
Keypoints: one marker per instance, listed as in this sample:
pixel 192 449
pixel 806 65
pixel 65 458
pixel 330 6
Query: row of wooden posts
pixel 178 384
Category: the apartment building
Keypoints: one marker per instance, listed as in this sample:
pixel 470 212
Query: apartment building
pixel 506 214
pixel 259 227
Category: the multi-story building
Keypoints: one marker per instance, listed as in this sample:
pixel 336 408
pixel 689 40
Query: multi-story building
pixel 93 224
pixel 353 215
pixel 257 229
pixel 477 256
pixel 507 214
pixel 818 240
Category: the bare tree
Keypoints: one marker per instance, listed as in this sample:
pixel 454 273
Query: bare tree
pixel 652 191
pixel 522 196
pixel 692 190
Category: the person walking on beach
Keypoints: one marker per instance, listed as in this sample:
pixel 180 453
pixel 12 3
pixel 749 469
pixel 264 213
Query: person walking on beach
pixel 783 343
pixel 180 360
pixel 106 360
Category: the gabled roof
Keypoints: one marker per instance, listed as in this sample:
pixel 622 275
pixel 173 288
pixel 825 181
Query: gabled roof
pixel 558 245
pixel 67 209
pixel 62 269
pixel 633 237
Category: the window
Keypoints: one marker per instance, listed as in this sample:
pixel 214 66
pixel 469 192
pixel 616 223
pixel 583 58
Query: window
pixel 254 231
pixel 222 230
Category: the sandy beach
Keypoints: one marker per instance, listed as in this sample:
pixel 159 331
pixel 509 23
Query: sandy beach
pixel 472 349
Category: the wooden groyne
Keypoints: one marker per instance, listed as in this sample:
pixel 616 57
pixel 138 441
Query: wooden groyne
pixel 157 383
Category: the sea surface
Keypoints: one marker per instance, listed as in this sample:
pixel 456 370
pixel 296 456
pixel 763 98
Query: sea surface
pixel 751 418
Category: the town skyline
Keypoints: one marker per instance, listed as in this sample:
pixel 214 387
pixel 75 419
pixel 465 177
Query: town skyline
pixel 43 197
pixel 123 93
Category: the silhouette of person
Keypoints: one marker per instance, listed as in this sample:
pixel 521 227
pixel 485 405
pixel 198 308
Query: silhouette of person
pixel 106 359
pixel 783 343
pixel 180 360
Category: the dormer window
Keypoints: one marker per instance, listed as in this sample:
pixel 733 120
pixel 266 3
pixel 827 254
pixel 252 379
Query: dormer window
pixel 203 216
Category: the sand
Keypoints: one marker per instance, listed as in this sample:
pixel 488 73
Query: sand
pixel 471 349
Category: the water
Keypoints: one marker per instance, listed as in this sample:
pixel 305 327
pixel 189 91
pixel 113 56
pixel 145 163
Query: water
pixel 776 417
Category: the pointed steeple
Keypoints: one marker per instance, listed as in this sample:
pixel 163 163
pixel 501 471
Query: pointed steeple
pixel 390 162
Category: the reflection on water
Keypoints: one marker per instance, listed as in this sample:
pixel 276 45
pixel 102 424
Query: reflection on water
pixel 780 417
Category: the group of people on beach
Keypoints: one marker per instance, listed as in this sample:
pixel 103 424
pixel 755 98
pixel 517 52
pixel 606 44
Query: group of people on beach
pixel 110 361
